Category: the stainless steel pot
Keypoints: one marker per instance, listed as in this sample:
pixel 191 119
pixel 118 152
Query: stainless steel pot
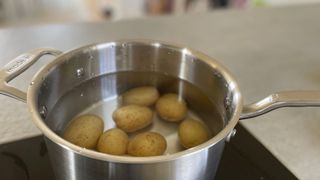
pixel 80 78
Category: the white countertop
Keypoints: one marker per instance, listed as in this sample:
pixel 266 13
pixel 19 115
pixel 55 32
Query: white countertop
pixel 267 49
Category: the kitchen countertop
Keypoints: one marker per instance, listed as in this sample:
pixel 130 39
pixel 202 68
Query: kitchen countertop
pixel 267 49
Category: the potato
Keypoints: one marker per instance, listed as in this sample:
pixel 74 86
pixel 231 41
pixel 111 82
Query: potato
pixel 171 107
pixel 113 141
pixel 143 96
pixel 147 144
pixel 131 118
pixel 192 133
pixel 84 131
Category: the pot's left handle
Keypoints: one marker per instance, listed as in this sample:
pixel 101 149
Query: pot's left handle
pixel 18 66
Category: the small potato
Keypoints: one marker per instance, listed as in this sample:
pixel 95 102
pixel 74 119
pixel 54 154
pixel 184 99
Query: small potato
pixel 143 96
pixel 113 141
pixel 84 131
pixel 192 133
pixel 131 118
pixel 171 107
pixel 147 144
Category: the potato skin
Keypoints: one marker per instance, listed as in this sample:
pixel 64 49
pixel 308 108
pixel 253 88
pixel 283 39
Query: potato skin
pixel 147 144
pixel 84 131
pixel 131 118
pixel 192 133
pixel 113 141
pixel 171 108
pixel 143 96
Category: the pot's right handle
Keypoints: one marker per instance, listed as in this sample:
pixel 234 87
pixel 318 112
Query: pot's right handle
pixel 18 66
pixel 281 99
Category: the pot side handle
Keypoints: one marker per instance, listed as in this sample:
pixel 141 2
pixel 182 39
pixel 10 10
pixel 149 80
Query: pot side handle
pixel 279 100
pixel 18 66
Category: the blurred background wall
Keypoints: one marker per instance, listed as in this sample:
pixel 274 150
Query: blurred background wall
pixel 22 12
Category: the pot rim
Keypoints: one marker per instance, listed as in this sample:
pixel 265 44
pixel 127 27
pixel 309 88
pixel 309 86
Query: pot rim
pixel 48 133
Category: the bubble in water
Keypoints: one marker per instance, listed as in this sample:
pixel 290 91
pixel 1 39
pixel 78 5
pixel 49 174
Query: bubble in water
pixel 217 75
pixel 80 72
pixel 32 83
pixel 44 84
pixel 81 94
pixel 227 102
pixel 124 45
pixel 90 57
pixel 43 111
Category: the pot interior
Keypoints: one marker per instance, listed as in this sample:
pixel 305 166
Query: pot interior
pixel 91 80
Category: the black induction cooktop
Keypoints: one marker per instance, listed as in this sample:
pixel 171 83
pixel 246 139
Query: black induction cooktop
pixel 244 158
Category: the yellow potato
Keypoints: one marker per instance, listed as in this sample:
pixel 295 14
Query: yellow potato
pixel 113 141
pixel 171 107
pixel 143 96
pixel 147 144
pixel 84 131
pixel 131 118
pixel 192 133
